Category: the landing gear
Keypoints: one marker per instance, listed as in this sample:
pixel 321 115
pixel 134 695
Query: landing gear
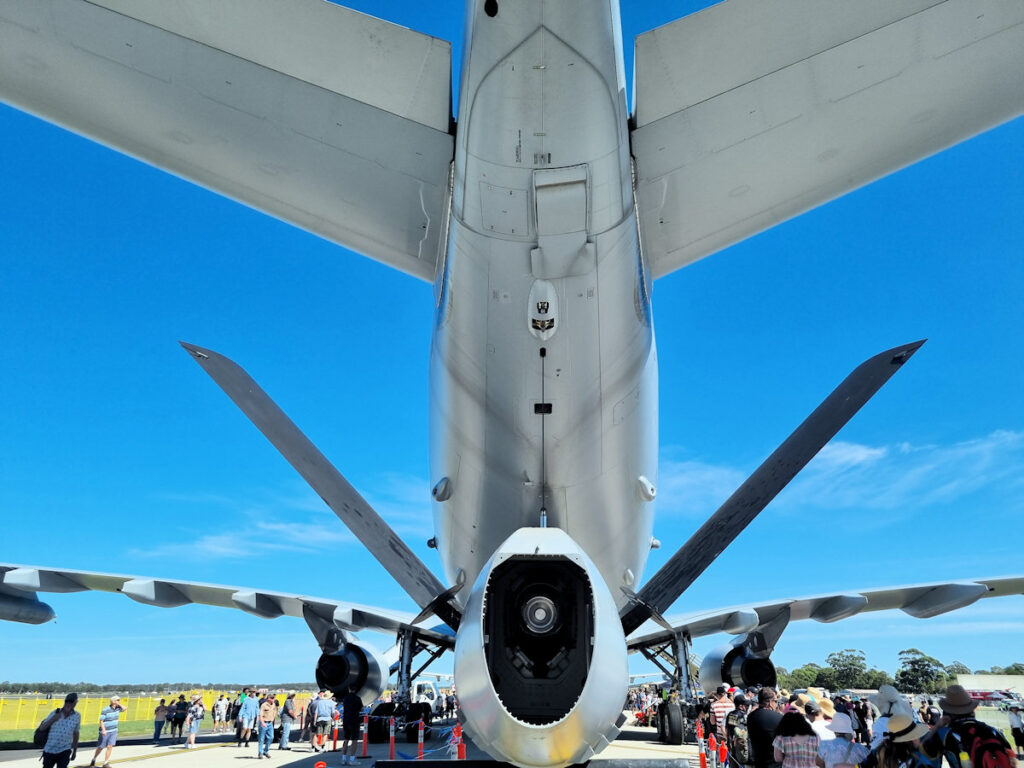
pixel 407 713
pixel 676 715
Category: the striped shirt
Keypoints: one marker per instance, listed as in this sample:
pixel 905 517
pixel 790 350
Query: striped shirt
pixel 721 708
pixel 109 717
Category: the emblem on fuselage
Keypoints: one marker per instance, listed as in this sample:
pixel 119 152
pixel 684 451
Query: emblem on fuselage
pixel 543 309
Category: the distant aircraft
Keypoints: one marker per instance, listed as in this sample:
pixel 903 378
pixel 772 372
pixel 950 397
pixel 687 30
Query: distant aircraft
pixel 542 217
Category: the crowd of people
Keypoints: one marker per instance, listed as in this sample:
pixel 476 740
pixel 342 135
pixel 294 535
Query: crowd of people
pixel 769 729
pixel 258 712
pixel 253 715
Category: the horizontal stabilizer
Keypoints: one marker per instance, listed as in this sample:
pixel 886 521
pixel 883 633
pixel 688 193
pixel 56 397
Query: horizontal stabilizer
pixel 764 485
pixel 346 502
pixel 324 117
pixel 749 113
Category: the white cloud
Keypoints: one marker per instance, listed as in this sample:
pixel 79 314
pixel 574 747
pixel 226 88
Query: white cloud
pixel 902 477
pixel 841 455
pixel 847 476
pixel 293 520
pixel 695 488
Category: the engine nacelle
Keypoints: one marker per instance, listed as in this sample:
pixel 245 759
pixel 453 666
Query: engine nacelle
pixel 24 608
pixel 358 665
pixel 540 658
pixel 737 664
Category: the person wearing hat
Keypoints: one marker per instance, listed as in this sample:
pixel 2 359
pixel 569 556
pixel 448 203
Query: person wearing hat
pixel 220 714
pixel 247 719
pixel 828 709
pixel 737 719
pixel 267 715
pixel 289 714
pixel 196 712
pixel 841 751
pixel 62 738
pixel 889 702
pixel 1017 729
pixel 108 729
pixel 958 732
pixel 900 745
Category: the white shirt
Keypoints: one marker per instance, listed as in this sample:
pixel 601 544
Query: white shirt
pixel 821 729
pixel 1015 720
pixel 62 733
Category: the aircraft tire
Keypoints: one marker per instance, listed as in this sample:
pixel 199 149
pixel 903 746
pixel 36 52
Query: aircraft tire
pixel 674 723
pixel 378 730
pixel 661 721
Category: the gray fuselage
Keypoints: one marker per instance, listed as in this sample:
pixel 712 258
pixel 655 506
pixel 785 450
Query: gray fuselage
pixel 543 253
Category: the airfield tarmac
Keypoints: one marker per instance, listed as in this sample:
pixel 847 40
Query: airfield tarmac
pixel 217 751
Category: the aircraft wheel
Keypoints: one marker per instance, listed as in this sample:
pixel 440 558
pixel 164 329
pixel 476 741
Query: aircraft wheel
pixel 379 729
pixel 417 712
pixel 674 723
pixel 660 716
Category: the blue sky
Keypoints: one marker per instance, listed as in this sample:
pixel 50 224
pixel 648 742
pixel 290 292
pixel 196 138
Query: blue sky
pixel 119 454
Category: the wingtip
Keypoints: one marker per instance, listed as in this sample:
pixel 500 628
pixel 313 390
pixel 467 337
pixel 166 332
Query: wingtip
pixel 901 354
pixel 197 352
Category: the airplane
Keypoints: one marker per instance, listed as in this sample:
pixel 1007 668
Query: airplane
pixel 542 216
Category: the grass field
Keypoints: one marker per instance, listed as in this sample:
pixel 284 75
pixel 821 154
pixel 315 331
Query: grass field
pixel 22 737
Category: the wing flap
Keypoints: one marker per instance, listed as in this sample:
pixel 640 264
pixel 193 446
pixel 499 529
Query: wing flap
pixel 750 113
pixel 917 600
pixel 331 120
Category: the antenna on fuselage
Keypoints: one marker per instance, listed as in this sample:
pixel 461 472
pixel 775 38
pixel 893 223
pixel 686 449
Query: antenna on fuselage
pixel 544 411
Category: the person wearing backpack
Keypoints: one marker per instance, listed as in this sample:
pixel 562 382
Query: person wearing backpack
pixel 737 734
pixel 61 729
pixel 962 739
pixel 900 746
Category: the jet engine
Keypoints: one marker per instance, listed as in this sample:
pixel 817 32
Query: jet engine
pixel 352 664
pixel 737 664
pixel 23 607
pixel 540 657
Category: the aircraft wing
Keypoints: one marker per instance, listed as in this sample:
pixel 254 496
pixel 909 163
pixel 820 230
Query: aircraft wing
pixel 329 119
pixel 922 601
pixel 22 582
pixel 749 113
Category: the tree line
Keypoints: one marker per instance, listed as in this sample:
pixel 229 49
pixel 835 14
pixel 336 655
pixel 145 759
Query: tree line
pixel 918 673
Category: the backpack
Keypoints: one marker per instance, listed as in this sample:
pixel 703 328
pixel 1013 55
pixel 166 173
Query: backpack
pixel 983 745
pixel 42 732
pixel 739 742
